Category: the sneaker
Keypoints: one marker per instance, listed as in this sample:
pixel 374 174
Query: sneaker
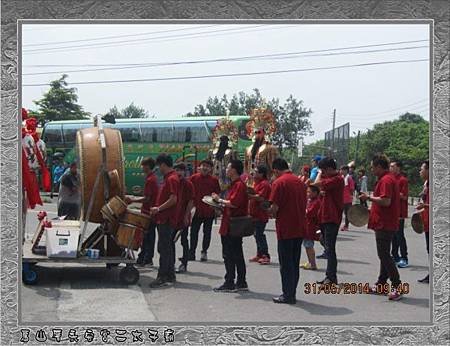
pixel 228 288
pixel 375 289
pixel 255 258
pixel 323 256
pixel 425 280
pixel 282 300
pixel 395 295
pixel 327 281
pixel 181 269
pixel 264 260
pixel 308 266
pixel 159 282
pixel 242 287
pixel 403 263
pixel 203 256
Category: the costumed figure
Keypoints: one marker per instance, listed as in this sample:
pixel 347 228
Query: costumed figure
pixel 224 135
pixel 260 127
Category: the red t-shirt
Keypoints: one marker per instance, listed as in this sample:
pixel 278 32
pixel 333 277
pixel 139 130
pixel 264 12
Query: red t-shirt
pixel 289 194
pixel 426 212
pixel 312 219
pixel 403 188
pixel 262 188
pixel 332 204
pixel 349 188
pixel 204 185
pixel 150 192
pixel 186 194
pixel 385 218
pixel 170 186
pixel 237 195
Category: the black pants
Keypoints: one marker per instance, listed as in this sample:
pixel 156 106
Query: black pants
pixel 330 232
pixel 195 228
pixel 71 210
pixel 185 245
pixel 399 241
pixel 233 257
pixel 427 240
pixel 166 252
pixel 388 269
pixel 148 244
pixel 289 251
pixel 260 237
pixel 346 208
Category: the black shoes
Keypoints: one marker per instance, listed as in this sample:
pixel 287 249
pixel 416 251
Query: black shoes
pixel 322 256
pixel 327 281
pixel 425 280
pixel 242 287
pixel 181 268
pixel 159 282
pixel 227 288
pixel 142 262
pixel 203 256
pixel 191 257
pixel 282 300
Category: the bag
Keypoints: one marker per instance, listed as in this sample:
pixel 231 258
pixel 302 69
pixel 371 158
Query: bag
pixel 241 226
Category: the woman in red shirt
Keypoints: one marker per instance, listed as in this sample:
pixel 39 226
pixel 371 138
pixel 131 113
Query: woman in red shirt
pixel 259 215
pixel 425 206
pixel 235 204
pixel 304 174
pixel 312 226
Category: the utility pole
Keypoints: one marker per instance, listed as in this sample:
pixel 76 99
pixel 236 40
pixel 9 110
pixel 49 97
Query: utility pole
pixel 332 133
pixel 357 148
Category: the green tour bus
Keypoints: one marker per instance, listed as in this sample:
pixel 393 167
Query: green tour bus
pixel 185 139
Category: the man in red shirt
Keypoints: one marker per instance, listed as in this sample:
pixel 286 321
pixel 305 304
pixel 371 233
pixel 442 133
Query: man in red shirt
pixel 185 205
pixel 235 204
pixel 331 184
pixel 384 220
pixel 259 215
pixel 204 185
pixel 349 189
pixel 148 201
pixel 425 206
pixel 399 240
pixel 288 199
pixel 166 214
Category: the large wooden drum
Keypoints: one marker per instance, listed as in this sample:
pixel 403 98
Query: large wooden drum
pixel 136 218
pixel 129 236
pixel 90 158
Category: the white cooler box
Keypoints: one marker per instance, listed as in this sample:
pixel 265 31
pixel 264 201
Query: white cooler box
pixel 62 239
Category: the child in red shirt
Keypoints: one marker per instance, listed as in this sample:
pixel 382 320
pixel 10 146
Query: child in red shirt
pixel 312 226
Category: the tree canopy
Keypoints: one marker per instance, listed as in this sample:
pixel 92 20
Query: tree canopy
pixel 292 118
pixel 130 112
pixel 59 103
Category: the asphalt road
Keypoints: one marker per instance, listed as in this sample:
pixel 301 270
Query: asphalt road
pixel 93 293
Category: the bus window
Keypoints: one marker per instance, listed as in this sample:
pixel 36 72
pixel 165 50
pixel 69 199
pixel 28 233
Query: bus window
pixel 70 131
pixel 129 132
pixel 199 133
pixel 179 133
pixel 164 132
pixel 147 131
pixel 52 134
pixel 243 130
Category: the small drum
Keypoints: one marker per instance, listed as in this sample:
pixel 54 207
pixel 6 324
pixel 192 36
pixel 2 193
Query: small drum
pixel 417 223
pixel 112 210
pixel 136 218
pixel 129 236
pixel 358 215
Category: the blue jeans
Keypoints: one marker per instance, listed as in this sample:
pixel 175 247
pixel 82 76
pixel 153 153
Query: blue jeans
pixel 289 251
pixel 330 232
pixel 399 241
pixel 148 244
pixel 260 237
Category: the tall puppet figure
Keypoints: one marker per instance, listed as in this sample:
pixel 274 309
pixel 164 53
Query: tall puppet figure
pixel 260 127
pixel 224 136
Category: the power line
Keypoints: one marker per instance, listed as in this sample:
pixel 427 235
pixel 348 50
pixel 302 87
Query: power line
pixel 202 26
pixel 128 42
pixel 395 114
pixel 234 74
pixel 248 58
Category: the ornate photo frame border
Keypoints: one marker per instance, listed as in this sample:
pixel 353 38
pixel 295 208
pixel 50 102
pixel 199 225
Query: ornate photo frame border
pixel 436 12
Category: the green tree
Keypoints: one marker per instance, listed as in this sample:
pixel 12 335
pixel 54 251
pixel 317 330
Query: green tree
pixel 130 112
pixel 60 103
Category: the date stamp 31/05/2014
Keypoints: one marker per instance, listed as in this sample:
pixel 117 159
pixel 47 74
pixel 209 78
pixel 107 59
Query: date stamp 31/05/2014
pixel 354 288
